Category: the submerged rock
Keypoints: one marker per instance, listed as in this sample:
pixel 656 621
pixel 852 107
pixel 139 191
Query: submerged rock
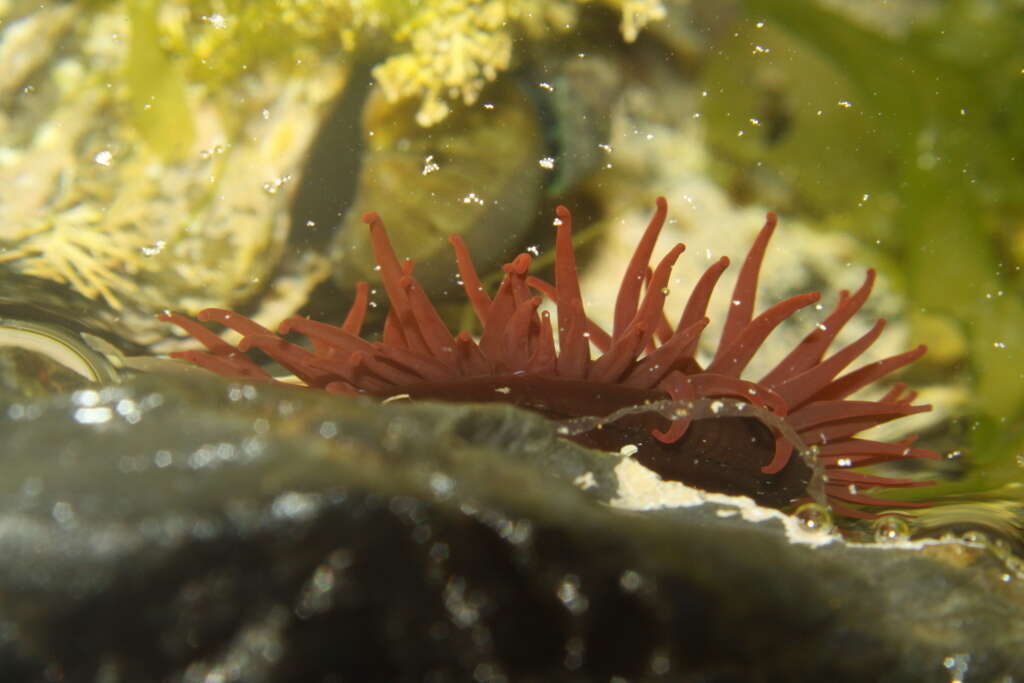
pixel 183 528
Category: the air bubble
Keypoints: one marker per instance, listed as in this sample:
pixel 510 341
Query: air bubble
pixel 631 581
pixel 572 597
pixel 891 529
pixel 814 517
pixel 442 485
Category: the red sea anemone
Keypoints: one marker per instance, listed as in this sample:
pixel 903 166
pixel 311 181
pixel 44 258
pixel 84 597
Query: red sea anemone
pixel 645 359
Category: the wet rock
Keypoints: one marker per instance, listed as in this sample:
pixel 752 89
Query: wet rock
pixel 190 529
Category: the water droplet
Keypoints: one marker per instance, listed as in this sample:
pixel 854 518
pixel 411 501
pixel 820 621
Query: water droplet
pixel 569 593
pixel 153 250
pixel 429 165
pixel 292 505
pixel 814 517
pixel 891 529
pixel 630 581
pixel 442 485
pixel 86 398
pixel 92 416
pixel 63 513
pixel 276 184
pixel 216 20
pixel 660 663
pixel 957 664
pixel 32 486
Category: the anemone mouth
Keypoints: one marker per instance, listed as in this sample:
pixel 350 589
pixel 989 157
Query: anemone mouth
pixel 518 359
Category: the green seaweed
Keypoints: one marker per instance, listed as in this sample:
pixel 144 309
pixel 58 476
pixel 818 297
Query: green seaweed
pixel 907 141
pixel 156 85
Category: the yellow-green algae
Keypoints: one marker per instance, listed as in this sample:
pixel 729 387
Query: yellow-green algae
pixel 153 77
pixel 436 51
pixel 127 181
pixel 150 147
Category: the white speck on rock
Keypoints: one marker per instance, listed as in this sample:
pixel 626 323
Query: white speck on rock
pixel 585 481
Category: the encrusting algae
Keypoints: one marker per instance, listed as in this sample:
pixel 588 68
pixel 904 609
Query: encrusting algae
pixel 437 50
pixel 85 198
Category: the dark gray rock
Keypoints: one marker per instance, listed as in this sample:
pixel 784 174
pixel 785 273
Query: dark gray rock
pixel 186 529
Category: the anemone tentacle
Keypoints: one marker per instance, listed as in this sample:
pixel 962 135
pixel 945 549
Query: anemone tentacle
pixel 644 358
